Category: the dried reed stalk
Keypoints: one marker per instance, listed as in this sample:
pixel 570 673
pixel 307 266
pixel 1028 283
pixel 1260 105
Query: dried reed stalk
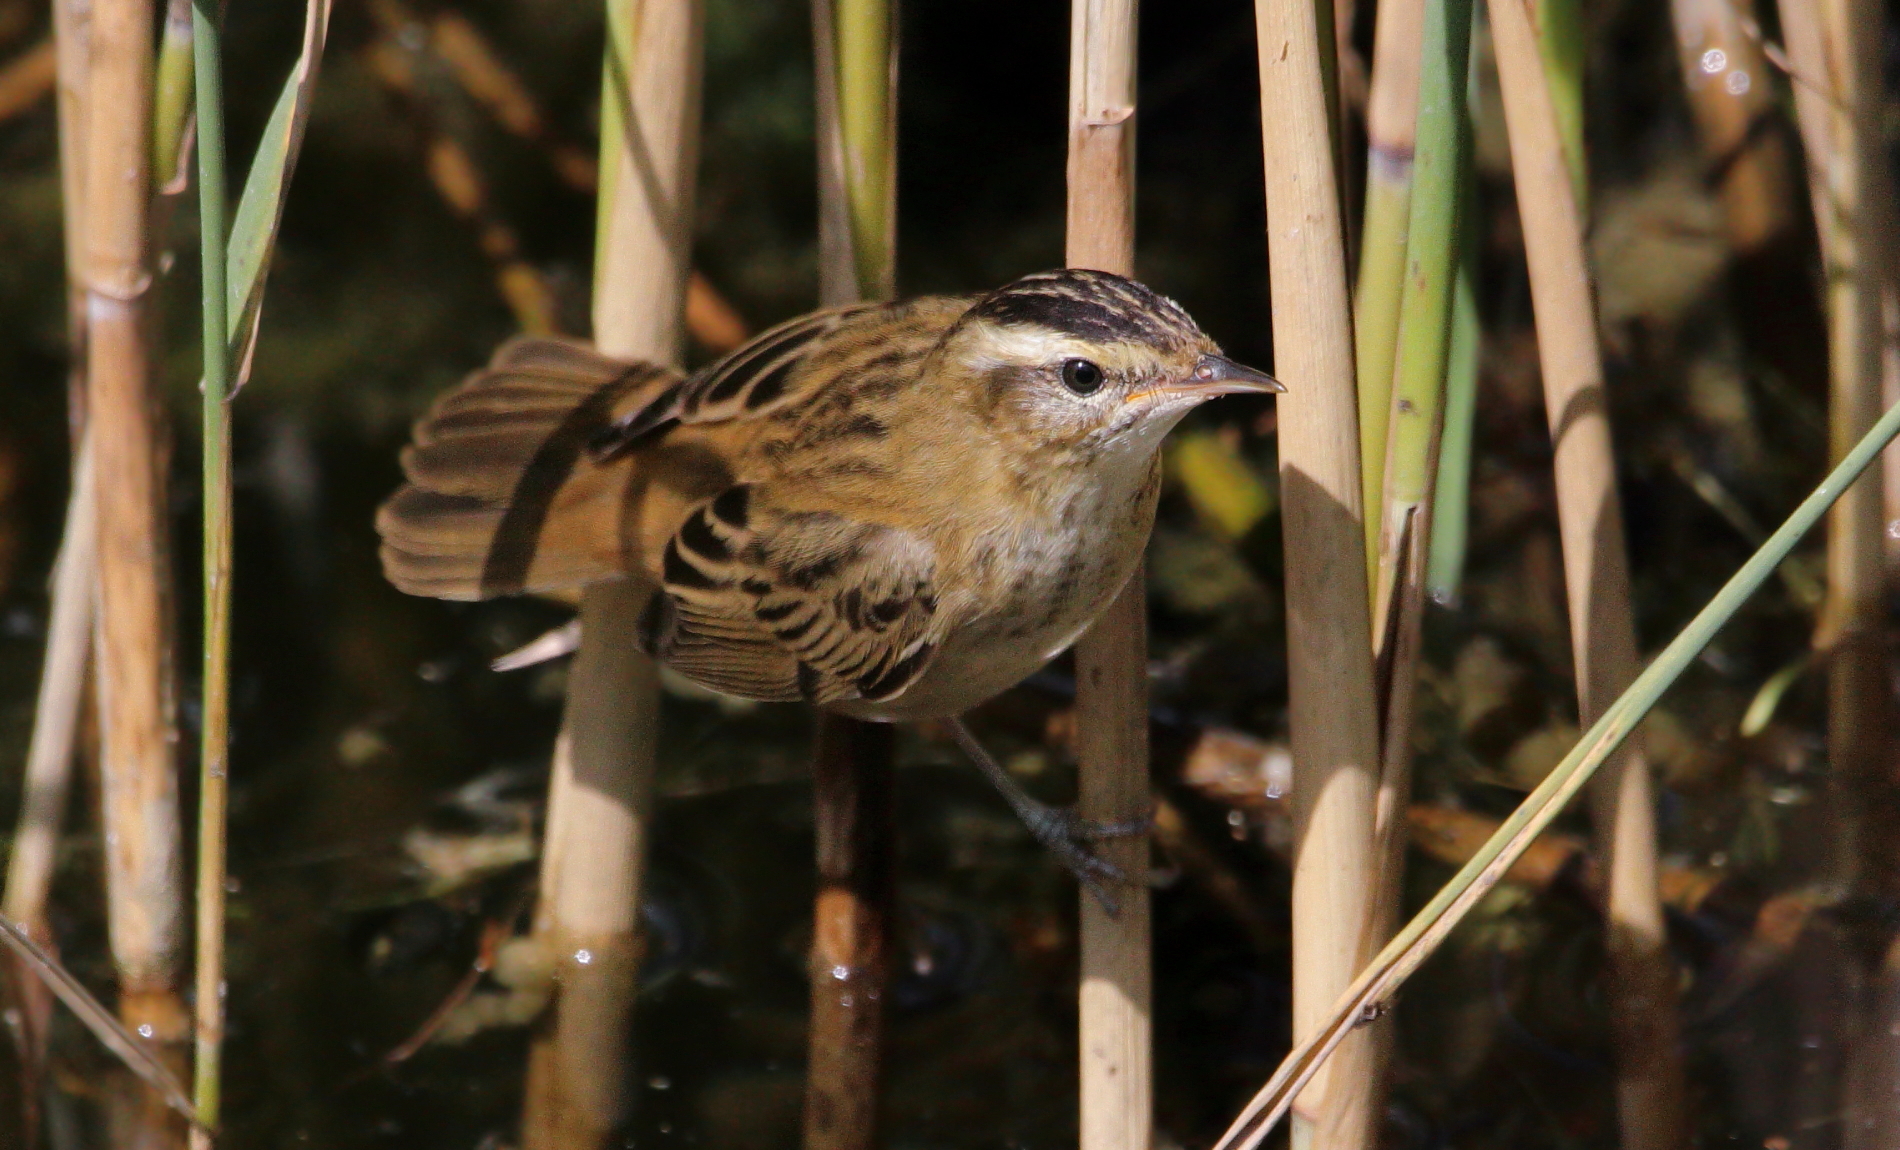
pixel 1333 712
pixel 1829 45
pixel 1834 47
pixel 46 788
pixel 600 796
pixel 144 870
pixel 1111 660
pixel 1596 573
pixel 855 57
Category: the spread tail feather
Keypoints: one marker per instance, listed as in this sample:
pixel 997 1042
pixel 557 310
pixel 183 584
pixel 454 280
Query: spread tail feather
pixel 503 494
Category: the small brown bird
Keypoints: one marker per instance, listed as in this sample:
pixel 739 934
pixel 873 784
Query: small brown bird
pixel 894 511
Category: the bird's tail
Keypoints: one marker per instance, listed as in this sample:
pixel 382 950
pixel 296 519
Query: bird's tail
pixel 503 494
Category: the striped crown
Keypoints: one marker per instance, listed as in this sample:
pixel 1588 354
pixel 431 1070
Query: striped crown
pixel 1091 305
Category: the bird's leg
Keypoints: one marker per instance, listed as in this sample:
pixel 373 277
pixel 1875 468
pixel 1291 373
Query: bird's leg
pixel 1065 833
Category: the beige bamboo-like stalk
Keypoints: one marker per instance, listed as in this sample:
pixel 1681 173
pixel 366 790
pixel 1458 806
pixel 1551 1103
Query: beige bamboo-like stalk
pixel 1650 1092
pixel 1333 711
pixel 144 867
pixel 1111 660
pixel 601 794
pixel 72 42
pixel 855 64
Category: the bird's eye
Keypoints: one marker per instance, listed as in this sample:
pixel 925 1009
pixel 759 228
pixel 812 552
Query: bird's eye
pixel 1081 376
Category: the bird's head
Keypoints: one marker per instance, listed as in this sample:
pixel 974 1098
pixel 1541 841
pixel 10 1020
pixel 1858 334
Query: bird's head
pixel 1088 360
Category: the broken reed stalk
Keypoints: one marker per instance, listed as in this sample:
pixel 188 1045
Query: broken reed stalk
pixel 1391 140
pixel 1111 659
pixel 1642 977
pixel 601 794
pixel 855 64
pixel 144 871
pixel 1414 422
pixel 214 744
pixel 1366 998
pixel 1333 708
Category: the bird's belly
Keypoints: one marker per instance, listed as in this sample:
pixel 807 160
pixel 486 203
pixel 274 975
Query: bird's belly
pixel 1043 615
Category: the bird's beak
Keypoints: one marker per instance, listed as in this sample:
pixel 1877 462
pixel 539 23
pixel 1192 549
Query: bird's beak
pixel 1218 375
pixel 1213 375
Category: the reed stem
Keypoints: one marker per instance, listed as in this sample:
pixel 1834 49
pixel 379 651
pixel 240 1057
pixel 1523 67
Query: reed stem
pixel 1333 707
pixel 144 871
pixel 215 733
pixel 855 58
pixel 1391 138
pixel 601 794
pixel 1642 982
pixel 1111 659
pixel 1414 422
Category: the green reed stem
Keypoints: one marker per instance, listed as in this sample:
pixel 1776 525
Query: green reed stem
pixel 213 783
pixel 171 97
pixel 1561 42
pixel 1425 301
pixel 867 108
pixel 1429 927
pixel 1451 501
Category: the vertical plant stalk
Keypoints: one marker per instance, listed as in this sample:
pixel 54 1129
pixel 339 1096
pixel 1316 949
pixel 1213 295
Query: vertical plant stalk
pixel 144 872
pixel 72 46
pixel 1827 43
pixel 601 794
pixel 1333 709
pixel 1111 660
pixel 172 100
pixel 215 732
pixel 1834 46
pixel 1642 978
pixel 866 85
pixel 1415 420
pixel 855 62
pixel 1451 501
pixel 1391 139
pixel 851 930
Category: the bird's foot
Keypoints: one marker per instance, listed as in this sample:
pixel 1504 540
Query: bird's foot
pixel 1068 836
pixel 1064 833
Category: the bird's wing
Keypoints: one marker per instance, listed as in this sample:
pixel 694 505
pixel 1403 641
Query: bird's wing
pixel 778 605
pixel 502 493
pixel 752 381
